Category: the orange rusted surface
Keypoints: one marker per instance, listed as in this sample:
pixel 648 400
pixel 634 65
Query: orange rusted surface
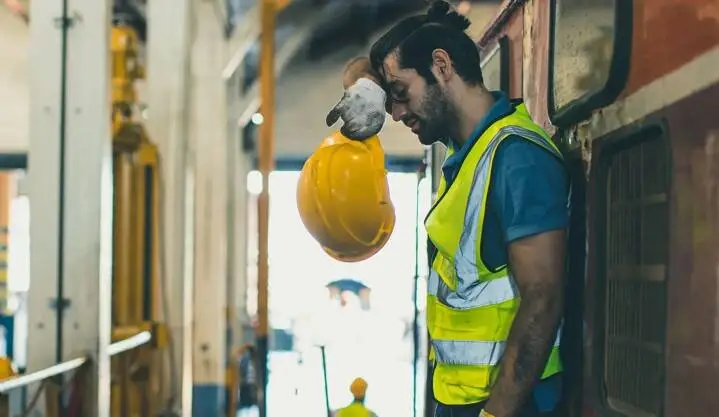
pixel 536 62
pixel 692 333
pixel 514 31
pixel 526 26
pixel 498 22
pixel 668 34
pixel 509 23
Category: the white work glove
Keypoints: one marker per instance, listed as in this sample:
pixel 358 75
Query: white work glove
pixel 362 109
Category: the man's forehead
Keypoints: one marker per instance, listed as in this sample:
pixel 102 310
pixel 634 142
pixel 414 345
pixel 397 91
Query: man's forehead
pixel 393 74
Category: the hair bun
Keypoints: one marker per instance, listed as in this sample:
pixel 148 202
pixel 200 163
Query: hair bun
pixel 439 12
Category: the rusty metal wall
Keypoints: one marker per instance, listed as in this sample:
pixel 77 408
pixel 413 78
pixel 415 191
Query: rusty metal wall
pixel 672 80
pixel 535 61
pixel 693 319
pixel 635 189
pixel 667 35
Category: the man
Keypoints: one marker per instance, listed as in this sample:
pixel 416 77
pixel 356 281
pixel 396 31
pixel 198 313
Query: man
pixel 358 388
pixel 497 230
pixel 248 381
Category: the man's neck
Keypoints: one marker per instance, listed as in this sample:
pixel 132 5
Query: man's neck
pixel 471 106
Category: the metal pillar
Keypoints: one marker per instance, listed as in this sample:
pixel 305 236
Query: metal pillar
pixel 168 77
pixel 236 242
pixel 209 145
pixel 70 189
pixel 266 165
pixel 239 44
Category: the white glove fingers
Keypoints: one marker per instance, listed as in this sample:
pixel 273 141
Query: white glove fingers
pixel 362 110
pixel 334 115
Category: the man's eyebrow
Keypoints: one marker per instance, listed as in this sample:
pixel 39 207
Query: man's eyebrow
pixel 390 78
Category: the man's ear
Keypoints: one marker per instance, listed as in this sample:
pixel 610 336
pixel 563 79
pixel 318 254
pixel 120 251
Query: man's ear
pixel 442 65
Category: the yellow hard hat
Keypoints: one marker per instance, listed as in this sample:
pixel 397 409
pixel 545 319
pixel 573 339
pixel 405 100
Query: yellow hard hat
pixel 343 198
pixel 358 388
pixel 7 368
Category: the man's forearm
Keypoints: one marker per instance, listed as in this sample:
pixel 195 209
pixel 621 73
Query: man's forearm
pixel 530 342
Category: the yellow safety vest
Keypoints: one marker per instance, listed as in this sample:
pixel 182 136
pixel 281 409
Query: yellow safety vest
pixel 355 410
pixel 470 308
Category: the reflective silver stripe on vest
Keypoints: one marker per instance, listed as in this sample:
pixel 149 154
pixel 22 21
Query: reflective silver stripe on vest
pixel 477 294
pixel 465 259
pixel 462 352
pixel 473 353
pixel 471 292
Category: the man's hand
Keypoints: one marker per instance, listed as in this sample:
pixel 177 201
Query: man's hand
pixel 537 263
pixel 485 413
pixel 362 108
pixel 18 8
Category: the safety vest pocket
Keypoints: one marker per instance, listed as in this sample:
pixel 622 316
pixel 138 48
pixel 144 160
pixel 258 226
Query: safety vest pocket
pixel 462 383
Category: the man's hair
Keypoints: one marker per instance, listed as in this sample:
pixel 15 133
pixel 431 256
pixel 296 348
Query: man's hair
pixel 414 38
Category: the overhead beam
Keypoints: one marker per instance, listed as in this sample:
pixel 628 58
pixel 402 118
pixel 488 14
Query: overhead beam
pixel 251 102
pixel 245 35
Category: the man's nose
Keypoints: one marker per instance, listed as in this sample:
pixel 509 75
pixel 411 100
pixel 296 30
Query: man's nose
pixel 399 111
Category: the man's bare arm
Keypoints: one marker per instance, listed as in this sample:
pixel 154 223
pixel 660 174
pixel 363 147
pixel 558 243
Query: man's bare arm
pixel 537 264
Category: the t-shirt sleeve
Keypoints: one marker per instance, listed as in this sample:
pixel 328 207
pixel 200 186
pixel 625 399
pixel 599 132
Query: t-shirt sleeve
pixel 529 190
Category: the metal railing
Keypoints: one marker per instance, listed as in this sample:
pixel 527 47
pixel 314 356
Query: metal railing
pixel 73 364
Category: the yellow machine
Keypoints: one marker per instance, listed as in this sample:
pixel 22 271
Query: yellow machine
pixel 137 389
pixel 343 198
pixel 7 370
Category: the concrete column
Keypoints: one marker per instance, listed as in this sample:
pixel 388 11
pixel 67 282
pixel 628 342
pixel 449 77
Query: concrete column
pixel 168 79
pixel 239 165
pixel 232 86
pixel 209 141
pixel 240 254
pixel 70 190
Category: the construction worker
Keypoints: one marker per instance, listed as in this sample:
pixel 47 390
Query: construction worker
pixel 497 230
pixel 358 388
pixel 247 395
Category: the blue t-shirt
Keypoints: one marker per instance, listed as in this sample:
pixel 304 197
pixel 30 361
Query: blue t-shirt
pixel 527 196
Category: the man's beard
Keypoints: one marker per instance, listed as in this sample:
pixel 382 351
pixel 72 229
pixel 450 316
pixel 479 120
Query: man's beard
pixel 437 117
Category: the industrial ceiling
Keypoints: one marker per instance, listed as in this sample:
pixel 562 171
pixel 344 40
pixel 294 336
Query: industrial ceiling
pixel 310 81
